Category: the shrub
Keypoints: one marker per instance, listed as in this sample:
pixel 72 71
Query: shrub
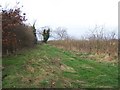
pixel 15 34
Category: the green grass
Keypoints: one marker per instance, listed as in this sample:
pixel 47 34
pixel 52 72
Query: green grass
pixel 46 66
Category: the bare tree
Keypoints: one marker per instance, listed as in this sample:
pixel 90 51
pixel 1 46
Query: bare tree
pixel 39 34
pixel 61 33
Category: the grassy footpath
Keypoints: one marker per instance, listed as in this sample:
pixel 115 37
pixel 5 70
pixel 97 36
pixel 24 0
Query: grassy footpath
pixel 47 66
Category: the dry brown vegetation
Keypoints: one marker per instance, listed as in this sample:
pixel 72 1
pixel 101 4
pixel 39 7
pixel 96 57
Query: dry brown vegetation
pixel 97 45
pixel 100 50
pixel 15 34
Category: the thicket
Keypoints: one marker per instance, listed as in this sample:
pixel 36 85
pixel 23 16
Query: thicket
pixel 15 34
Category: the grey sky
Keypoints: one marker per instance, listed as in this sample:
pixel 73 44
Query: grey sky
pixel 78 16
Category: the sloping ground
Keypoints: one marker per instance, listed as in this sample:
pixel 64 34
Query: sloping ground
pixel 47 66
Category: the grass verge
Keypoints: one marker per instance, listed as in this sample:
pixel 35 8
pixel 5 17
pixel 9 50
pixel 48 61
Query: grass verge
pixel 46 66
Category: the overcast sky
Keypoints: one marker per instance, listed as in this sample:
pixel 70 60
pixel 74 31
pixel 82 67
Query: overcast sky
pixel 78 16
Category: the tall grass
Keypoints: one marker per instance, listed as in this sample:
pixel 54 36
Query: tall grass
pixel 109 48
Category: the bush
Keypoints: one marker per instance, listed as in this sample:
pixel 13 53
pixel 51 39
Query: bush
pixel 15 34
pixel 24 35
